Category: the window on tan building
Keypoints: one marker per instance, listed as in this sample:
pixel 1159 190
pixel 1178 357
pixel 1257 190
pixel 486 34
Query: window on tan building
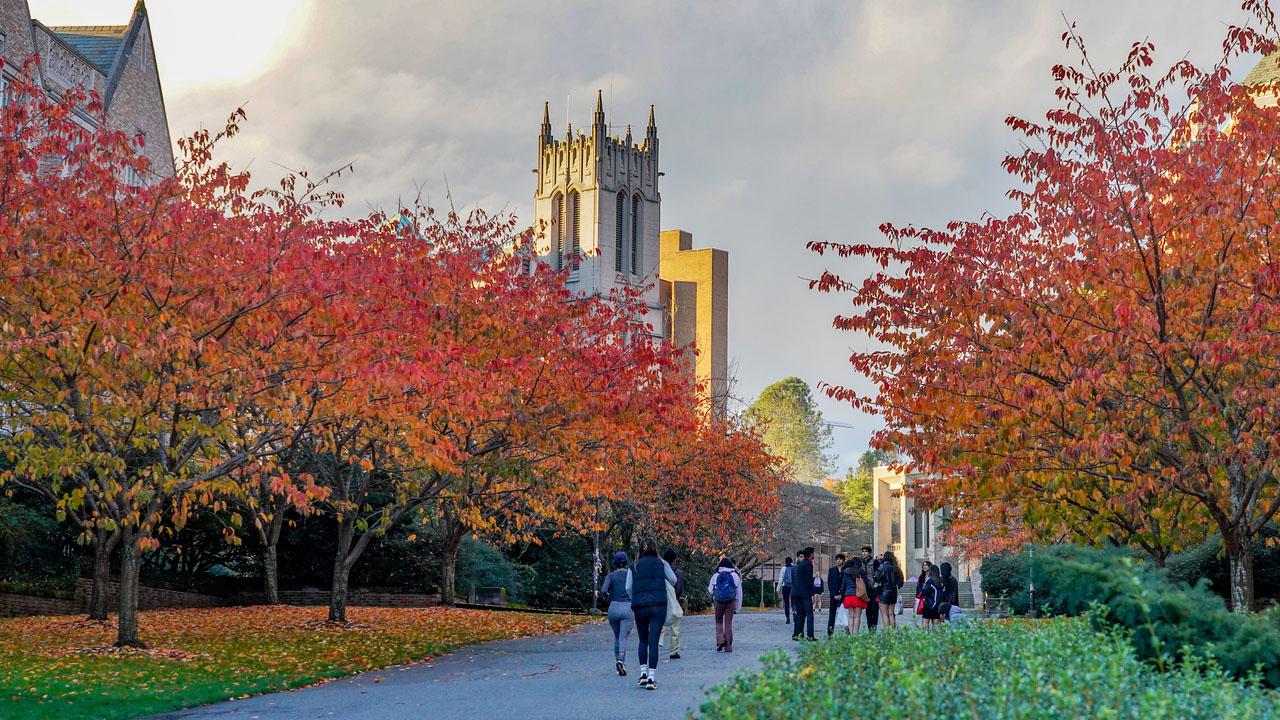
pixel 618 250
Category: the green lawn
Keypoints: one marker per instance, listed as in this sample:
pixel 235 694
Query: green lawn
pixel 202 656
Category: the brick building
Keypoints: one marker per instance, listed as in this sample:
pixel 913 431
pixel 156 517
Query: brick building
pixel 117 62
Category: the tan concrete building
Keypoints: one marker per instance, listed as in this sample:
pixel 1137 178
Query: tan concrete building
pixel 117 62
pixel 694 289
pixel 597 212
pixel 911 532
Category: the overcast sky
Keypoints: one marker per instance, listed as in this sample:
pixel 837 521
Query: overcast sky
pixel 781 122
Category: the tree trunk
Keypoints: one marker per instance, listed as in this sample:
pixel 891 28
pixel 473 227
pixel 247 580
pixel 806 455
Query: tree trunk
pixel 341 573
pixel 104 543
pixel 1239 546
pixel 271 575
pixel 130 563
pixel 449 566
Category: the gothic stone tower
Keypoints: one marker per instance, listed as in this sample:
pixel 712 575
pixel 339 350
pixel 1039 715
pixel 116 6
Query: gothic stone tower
pixel 596 209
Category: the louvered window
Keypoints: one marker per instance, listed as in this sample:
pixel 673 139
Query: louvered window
pixel 635 235
pixel 557 232
pixel 574 227
pixel 617 231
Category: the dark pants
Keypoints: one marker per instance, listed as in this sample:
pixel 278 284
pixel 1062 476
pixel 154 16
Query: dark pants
pixel 724 624
pixel 873 613
pixel 786 602
pixel 804 614
pixel 649 622
pixel 831 615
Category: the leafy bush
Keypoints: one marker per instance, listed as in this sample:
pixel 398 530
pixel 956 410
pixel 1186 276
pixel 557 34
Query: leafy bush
pixel 1167 619
pixel 990 671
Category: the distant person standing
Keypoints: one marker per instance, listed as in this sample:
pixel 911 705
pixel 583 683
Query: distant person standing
pixel 950 592
pixel 784 587
pixel 725 589
pixel 889 580
pixel 670 556
pixel 922 577
pixel 931 594
pixel 856 592
pixel 835 592
pixel 621 620
pixel 870 564
pixel 802 596
pixel 646 584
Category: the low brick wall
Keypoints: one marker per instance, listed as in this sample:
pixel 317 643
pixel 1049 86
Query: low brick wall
pixel 24 605
pixel 354 598
pixel 149 598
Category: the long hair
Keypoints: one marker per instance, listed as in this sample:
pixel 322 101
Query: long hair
pixel 855 563
pixel 934 573
pixel 889 558
pixel 648 546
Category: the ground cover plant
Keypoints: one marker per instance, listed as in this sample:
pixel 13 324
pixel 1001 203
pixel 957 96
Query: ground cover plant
pixel 1167 618
pixel 54 667
pixel 1008 670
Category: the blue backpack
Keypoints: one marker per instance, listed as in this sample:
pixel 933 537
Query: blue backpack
pixel 726 588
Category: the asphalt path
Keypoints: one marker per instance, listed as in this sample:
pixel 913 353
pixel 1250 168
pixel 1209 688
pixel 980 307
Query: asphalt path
pixel 554 677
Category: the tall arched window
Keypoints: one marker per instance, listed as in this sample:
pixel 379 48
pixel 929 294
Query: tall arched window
pixel 635 235
pixel 574 228
pixel 617 231
pixel 557 232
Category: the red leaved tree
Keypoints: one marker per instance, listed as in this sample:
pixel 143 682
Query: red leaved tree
pixel 1100 361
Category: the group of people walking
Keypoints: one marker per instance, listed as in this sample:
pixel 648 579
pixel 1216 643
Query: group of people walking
pixel 648 595
pixel 859 586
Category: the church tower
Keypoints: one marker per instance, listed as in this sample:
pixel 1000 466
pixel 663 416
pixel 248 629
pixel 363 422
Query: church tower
pixel 596 208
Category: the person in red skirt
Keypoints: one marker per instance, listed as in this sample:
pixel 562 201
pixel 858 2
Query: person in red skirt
pixel 856 592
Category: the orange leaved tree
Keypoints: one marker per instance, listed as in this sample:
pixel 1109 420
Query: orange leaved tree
pixel 1107 349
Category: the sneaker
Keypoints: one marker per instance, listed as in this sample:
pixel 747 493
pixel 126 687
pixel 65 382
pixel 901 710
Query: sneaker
pixel 719 647
pixel 674 656
pixel 622 669
pixel 650 684
pixel 644 680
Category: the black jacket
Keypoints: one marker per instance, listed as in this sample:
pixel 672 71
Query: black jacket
pixel 802 579
pixel 835 582
pixel 950 589
pixel 679 582
pixel 648 582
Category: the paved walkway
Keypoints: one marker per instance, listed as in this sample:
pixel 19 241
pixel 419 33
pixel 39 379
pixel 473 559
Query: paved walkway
pixel 558 677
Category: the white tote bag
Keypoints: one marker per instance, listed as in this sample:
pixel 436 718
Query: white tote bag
pixel 673 605
pixel 842 616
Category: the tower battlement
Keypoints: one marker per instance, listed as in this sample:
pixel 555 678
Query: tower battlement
pixel 597 206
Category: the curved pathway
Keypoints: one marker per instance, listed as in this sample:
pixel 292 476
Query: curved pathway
pixel 553 677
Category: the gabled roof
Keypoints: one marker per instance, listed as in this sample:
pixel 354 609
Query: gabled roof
pixel 99 44
pixel 1266 71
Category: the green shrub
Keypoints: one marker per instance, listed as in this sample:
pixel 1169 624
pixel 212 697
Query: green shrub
pixel 1208 561
pixel 1167 619
pixel 1011 670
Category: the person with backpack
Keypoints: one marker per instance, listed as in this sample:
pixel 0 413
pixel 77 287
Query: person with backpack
pixel 950 592
pixel 802 596
pixel 835 592
pixel 888 580
pixel 670 556
pixel 856 592
pixel 784 588
pixel 647 585
pixel 621 619
pixel 725 588
pixel 931 597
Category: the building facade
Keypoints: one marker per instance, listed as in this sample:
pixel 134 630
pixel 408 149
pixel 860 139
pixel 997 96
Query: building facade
pixel 909 531
pixel 597 214
pixel 117 62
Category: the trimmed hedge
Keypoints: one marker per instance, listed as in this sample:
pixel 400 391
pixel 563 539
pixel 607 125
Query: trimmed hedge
pixel 1009 670
pixel 1167 619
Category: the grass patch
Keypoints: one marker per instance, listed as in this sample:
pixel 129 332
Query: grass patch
pixel 1009 670
pixel 202 656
